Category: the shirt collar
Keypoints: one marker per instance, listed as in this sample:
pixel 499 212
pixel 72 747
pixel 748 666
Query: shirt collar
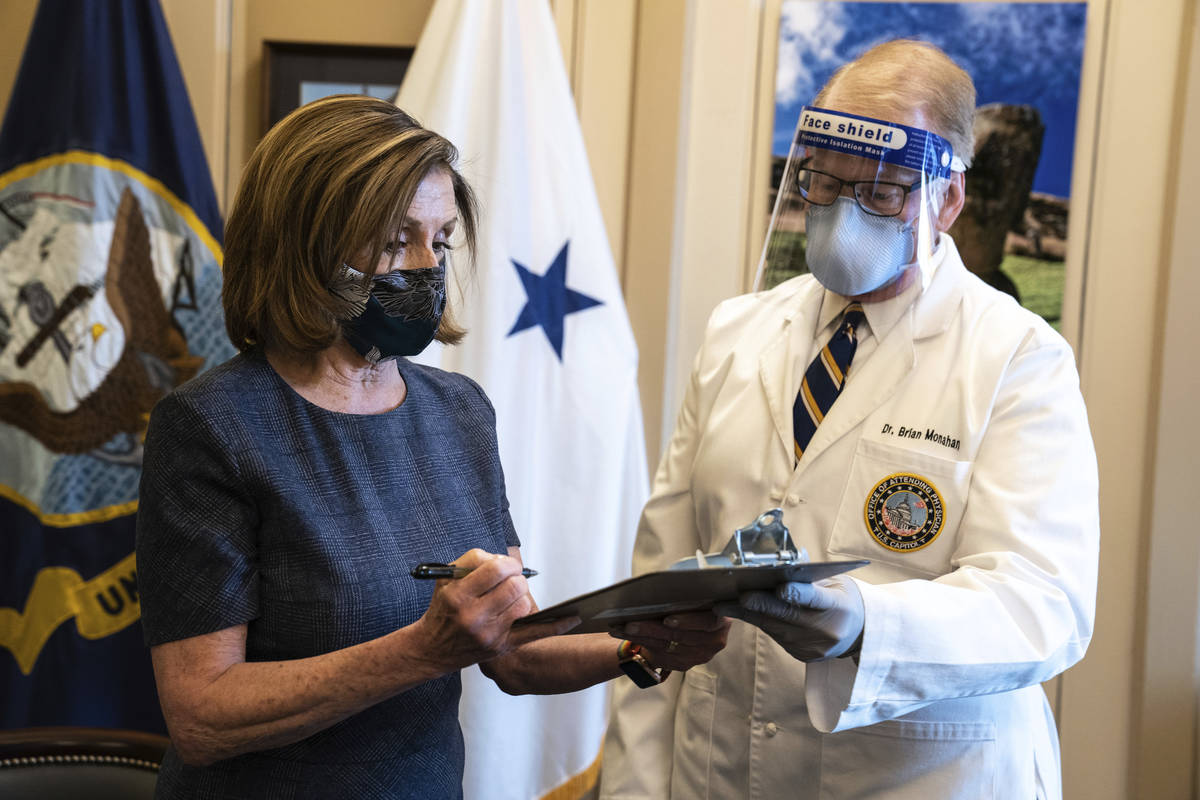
pixel 883 314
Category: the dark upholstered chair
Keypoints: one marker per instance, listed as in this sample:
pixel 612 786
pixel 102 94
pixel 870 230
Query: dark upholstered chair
pixel 79 763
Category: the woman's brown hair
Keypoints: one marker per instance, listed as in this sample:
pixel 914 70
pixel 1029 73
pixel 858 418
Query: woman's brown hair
pixel 329 182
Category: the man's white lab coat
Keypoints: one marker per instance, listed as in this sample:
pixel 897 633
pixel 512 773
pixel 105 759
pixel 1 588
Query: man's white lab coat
pixel 978 400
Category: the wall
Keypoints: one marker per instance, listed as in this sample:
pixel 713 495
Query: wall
pixel 16 17
pixel 673 97
pixel 1164 726
pixel 689 248
pixel 1113 716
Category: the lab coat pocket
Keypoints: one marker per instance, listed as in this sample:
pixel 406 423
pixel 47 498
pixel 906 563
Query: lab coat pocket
pixel 694 716
pixel 901 507
pixel 904 758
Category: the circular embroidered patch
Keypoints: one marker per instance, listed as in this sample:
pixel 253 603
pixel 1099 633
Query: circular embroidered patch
pixel 904 512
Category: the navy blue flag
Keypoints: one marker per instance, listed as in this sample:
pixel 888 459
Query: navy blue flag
pixel 109 296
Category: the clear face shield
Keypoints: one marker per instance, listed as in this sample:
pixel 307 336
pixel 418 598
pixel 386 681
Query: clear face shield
pixel 858 202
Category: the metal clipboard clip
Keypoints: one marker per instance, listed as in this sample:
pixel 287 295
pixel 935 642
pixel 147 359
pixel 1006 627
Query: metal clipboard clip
pixel 764 542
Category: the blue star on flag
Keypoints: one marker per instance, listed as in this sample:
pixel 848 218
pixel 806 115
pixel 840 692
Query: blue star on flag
pixel 550 300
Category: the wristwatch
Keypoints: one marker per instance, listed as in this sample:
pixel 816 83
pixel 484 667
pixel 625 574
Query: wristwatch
pixel 633 664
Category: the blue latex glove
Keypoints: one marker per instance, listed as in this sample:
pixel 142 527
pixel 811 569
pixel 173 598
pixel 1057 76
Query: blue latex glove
pixel 812 621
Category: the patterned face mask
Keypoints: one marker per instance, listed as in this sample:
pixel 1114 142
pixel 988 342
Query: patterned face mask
pixel 852 252
pixel 397 315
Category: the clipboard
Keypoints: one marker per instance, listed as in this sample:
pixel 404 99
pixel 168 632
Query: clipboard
pixel 676 591
pixel 759 556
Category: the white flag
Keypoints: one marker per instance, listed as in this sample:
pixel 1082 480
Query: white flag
pixel 551 344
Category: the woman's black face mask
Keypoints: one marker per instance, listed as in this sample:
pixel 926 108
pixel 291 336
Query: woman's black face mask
pixel 396 315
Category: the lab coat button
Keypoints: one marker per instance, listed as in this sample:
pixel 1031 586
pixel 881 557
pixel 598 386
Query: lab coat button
pixel 793 499
pixel 772 729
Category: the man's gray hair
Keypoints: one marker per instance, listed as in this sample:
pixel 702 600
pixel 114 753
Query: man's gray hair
pixel 903 75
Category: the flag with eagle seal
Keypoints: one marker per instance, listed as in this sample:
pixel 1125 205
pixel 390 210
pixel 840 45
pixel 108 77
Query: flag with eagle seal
pixel 109 297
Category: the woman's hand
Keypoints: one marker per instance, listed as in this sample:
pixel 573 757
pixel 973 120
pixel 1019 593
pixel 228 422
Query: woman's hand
pixel 571 663
pixel 680 641
pixel 470 619
pixel 219 705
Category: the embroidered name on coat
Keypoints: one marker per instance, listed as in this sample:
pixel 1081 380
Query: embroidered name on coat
pixel 925 434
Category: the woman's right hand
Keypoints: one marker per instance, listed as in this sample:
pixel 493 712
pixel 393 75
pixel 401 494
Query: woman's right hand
pixel 218 705
pixel 470 619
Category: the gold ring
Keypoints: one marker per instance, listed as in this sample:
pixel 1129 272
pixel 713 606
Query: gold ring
pixel 672 645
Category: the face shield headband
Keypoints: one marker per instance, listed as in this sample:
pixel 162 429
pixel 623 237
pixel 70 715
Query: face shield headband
pixel 856 203
pixel 887 142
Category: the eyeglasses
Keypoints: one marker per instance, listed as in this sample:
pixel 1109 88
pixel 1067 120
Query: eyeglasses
pixel 878 198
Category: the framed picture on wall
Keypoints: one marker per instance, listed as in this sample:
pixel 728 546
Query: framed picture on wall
pixel 295 73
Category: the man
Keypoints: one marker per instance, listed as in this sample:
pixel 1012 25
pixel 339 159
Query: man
pixel 956 458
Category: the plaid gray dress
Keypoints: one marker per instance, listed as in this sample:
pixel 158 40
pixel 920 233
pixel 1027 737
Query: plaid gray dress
pixel 258 507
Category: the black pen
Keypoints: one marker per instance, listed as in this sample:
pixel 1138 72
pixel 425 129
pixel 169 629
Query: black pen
pixel 430 570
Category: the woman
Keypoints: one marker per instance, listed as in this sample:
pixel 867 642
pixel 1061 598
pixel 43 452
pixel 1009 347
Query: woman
pixel 287 493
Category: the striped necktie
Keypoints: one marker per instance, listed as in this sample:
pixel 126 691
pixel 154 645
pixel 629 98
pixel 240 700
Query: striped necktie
pixel 824 378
